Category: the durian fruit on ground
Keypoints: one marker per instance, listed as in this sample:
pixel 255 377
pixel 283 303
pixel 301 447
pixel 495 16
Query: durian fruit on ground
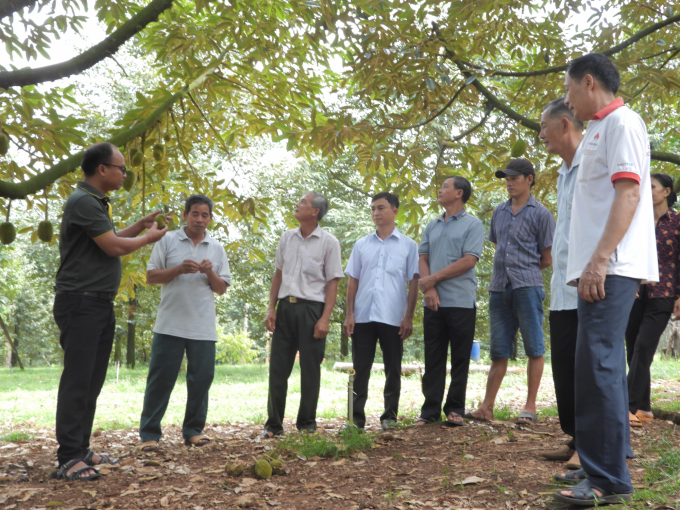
pixel 130 179
pixel 236 469
pixel 45 231
pixel 7 233
pixel 158 152
pixel 262 469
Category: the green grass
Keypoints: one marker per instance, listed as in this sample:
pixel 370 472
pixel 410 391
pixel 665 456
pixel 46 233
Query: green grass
pixel 15 436
pixel 662 463
pixel 239 394
pixel 350 440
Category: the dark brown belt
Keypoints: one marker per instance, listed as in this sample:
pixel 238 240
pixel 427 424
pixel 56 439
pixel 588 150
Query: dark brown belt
pixel 99 295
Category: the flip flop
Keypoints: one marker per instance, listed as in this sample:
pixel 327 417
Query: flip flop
pixel 572 477
pixel 583 495
pixel 634 420
pixel 526 418
pixel 574 462
pixel 470 416
pixel 451 422
pixel 62 472
pixel 421 420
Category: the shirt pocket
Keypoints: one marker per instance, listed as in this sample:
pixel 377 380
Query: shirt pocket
pixel 313 267
pixel 396 265
pixel 527 232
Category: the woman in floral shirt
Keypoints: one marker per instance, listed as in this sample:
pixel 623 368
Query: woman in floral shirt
pixel 655 302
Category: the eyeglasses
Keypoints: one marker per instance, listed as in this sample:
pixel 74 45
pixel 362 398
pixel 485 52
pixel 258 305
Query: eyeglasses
pixel 122 167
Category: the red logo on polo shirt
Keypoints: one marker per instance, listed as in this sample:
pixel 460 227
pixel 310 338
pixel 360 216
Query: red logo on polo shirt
pixel 597 136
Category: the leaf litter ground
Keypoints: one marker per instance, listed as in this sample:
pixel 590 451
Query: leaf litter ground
pixel 481 465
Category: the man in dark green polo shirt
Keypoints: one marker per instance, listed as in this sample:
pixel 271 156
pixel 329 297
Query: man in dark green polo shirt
pixel 87 282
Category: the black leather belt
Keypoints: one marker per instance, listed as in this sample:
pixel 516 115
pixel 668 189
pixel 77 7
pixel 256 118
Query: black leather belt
pixel 293 299
pixel 99 295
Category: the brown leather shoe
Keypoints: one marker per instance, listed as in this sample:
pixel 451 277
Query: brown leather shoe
pixel 563 454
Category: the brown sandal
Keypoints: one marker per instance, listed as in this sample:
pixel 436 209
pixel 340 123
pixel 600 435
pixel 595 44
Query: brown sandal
pixel 197 441
pixel 642 417
pixel 634 420
pixel 148 446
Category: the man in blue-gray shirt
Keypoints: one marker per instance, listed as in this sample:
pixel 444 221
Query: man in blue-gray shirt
pixel 562 134
pixel 522 230
pixel 451 246
pixel 378 306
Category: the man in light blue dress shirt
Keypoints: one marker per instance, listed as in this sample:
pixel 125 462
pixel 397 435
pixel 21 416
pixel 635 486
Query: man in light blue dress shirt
pixel 379 309
pixel 562 134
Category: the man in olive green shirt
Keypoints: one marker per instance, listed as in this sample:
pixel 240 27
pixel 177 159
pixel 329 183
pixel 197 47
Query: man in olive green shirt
pixel 87 283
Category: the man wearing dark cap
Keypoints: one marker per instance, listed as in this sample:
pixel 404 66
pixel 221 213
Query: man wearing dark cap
pixel 87 283
pixel 522 230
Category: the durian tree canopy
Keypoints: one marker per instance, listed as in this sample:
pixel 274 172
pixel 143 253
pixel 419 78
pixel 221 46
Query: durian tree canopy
pixel 416 90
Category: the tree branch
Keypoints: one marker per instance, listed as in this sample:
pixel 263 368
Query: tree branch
pixel 8 7
pixel 666 156
pixel 36 183
pixel 465 133
pixel 448 105
pixel 556 69
pixel 348 185
pixel 90 57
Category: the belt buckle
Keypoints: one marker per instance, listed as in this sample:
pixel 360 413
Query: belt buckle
pixel 292 299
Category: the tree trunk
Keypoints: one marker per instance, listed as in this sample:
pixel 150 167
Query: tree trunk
pixel 116 350
pixel 13 347
pixel 132 308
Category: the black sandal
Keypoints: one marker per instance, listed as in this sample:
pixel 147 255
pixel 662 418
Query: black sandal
pixel 584 495
pixel 104 459
pixel 572 477
pixel 63 474
pixel 451 422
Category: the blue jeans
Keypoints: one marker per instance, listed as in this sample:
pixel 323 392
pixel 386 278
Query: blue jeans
pixel 512 309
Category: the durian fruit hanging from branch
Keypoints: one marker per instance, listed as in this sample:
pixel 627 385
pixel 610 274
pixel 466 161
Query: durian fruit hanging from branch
pixel 518 149
pixel 8 233
pixel 159 148
pixel 45 228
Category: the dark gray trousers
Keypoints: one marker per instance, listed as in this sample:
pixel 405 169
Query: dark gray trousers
pixel 295 332
pixel 602 426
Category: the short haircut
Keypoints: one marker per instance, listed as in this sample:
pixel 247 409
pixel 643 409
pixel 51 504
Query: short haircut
pixel 557 108
pixel 667 182
pixel 390 197
pixel 98 154
pixel 197 199
pixel 461 183
pixel 599 67
pixel 319 202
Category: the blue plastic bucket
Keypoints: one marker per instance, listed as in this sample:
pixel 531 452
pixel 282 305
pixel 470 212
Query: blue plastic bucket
pixel 474 355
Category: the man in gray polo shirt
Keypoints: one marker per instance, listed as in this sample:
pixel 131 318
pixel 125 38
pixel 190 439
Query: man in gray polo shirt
pixel 451 246
pixel 305 285
pixel 522 230
pixel 192 267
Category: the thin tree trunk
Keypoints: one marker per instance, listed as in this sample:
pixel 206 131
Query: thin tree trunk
pixel 130 354
pixel 11 344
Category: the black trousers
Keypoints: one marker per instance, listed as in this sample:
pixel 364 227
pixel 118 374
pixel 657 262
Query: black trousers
pixel 447 326
pixel 563 333
pixel 295 332
pixel 647 321
pixel 365 337
pixel 86 328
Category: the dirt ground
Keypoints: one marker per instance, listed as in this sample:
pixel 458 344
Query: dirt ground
pixel 495 465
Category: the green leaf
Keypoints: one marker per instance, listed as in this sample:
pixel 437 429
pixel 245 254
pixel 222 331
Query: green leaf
pixel 430 83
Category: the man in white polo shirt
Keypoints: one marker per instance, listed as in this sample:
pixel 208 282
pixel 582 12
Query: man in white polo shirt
pixel 305 285
pixel 378 305
pixel 612 249
pixel 191 266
